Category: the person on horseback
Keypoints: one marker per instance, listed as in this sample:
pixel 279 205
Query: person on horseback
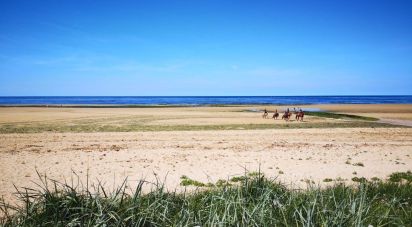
pixel 300 115
pixel 286 115
pixel 296 112
pixel 265 114
pixel 276 114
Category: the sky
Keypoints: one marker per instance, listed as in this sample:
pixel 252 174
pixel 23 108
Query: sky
pixel 184 48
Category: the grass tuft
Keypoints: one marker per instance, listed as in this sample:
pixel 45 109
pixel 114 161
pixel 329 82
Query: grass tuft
pixel 327 180
pixel 190 182
pixel 359 164
pixel 401 176
pixel 359 179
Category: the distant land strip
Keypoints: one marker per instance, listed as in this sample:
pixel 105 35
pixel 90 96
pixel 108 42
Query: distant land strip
pixel 10 128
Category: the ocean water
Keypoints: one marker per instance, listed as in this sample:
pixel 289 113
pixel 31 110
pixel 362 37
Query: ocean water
pixel 201 100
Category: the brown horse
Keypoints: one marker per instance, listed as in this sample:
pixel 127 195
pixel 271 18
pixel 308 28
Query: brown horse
pixel 275 115
pixel 296 115
pixel 300 115
pixel 286 116
pixel 265 114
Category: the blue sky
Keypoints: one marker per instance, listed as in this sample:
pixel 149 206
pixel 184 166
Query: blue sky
pixel 205 47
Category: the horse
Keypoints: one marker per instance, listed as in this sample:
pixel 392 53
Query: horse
pixel 275 115
pixel 286 116
pixel 265 114
pixel 300 116
pixel 296 114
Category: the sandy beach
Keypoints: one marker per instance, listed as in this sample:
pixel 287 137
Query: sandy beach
pixel 206 153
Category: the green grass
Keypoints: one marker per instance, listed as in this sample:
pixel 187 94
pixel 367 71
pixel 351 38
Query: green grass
pixel 359 179
pixel 102 127
pixel 238 179
pixel 401 176
pixel 186 181
pixel 252 201
pixel 340 116
pixel 189 182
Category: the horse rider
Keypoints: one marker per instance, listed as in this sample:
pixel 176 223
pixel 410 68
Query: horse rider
pixel 275 114
pixel 265 114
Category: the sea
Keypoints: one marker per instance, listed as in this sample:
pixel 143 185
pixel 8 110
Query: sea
pixel 201 100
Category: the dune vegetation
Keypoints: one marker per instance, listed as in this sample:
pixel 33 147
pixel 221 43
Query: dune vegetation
pixel 102 127
pixel 250 200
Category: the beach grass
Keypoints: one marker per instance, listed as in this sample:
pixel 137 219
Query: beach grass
pixel 252 200
pixel 91 126
pixel 339 116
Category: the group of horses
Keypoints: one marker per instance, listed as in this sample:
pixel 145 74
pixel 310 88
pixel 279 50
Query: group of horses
pixel 286 115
